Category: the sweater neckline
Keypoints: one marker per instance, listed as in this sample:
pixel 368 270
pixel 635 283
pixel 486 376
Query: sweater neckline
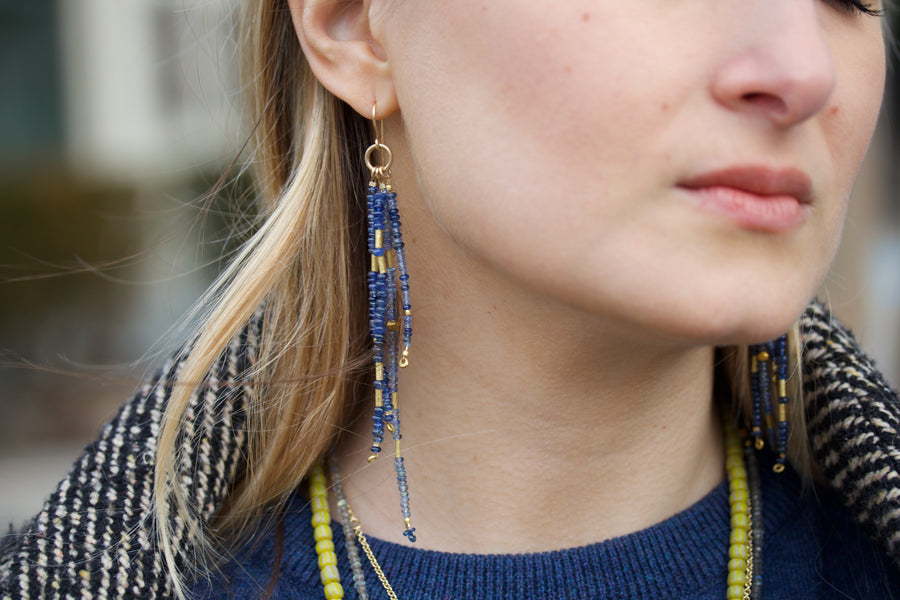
pixel 687 551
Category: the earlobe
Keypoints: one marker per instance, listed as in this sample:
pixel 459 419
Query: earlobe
pixel 337 41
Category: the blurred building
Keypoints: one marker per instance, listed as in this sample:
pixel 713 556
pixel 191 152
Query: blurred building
pixel 115 117
pixel 149 87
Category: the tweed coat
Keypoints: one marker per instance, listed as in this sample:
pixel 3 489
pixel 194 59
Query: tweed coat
pixel 95 535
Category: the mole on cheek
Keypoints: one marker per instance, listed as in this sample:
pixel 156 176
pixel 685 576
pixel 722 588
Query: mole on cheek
pixel 834 110
pixel 586 17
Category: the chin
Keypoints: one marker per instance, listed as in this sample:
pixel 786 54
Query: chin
pixel 723 321
pixel 751 324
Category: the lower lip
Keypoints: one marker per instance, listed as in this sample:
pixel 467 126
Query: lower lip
pixel 753 211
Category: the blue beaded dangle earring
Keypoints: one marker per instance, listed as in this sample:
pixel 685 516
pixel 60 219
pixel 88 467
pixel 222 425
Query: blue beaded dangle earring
pixel 388 282
pixel 768 375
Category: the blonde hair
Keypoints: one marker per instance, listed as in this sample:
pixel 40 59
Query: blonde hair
pixel 310 239
pixel 305 264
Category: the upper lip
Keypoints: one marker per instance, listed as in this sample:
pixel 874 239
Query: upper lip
pixel 759 180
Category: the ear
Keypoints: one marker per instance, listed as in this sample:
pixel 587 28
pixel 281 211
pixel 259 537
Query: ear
pixel 337 41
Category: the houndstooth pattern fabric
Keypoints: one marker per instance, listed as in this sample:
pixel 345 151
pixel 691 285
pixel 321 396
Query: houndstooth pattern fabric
pixel 95 536
pixel 853 418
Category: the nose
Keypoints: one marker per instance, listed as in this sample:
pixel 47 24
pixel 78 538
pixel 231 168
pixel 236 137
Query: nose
pixel 778 64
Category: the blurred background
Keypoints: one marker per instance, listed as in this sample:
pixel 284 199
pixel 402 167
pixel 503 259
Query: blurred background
pixel 116 119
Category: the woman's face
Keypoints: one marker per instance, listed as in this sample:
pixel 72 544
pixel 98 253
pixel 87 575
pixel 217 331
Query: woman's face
pixel 682 166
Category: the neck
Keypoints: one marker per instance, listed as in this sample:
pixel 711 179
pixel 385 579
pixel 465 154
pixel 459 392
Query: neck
pixel 505 425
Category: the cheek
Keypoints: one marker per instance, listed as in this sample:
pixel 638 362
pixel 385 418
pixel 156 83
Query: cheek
pixel 527 103
pixel 533 79
pixel 851 116
pixel 849 119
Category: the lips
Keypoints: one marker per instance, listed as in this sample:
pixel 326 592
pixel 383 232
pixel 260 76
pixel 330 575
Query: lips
pixel 759 198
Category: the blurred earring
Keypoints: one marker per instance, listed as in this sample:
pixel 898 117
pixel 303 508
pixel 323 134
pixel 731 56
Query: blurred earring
pixel 768 377
pixel 390 312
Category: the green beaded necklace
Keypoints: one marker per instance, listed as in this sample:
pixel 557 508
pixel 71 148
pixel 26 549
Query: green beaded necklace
pixel 744 552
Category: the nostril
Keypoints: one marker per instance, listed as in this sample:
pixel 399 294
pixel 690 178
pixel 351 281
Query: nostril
pixel 769 103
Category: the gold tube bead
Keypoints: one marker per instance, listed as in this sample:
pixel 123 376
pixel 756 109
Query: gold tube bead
pixel 754 364
pixel 379 398
pixel 782 388
pixel 389 257
pixel 397 447
pixel 782 412
pixel 379 371
pixel 374 263
pixel 379 238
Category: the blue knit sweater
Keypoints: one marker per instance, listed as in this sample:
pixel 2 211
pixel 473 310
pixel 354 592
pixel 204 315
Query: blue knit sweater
pixel 812 549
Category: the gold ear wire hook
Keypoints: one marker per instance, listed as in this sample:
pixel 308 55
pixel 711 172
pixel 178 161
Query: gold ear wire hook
pixel 379 135
pixel 380 171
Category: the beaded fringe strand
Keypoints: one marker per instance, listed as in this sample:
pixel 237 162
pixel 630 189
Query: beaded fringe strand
pixel 388 283
pixel 768 376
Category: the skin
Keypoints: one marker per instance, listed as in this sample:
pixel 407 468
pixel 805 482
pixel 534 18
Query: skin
pixel 567 290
